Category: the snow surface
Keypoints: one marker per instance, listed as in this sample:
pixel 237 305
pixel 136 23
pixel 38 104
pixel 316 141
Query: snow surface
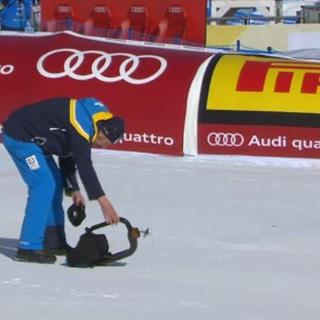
pixel 311 53
pixel 233 238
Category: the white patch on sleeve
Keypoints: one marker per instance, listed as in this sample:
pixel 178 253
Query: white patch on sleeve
pixel 32 162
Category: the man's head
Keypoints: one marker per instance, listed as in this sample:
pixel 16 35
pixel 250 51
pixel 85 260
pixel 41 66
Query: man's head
pixel 112 129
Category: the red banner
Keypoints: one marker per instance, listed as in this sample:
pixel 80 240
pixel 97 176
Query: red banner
pixel 259 140
pixel 147 86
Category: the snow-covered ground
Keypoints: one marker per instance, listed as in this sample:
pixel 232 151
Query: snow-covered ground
pixel 309 54
pixel 233 238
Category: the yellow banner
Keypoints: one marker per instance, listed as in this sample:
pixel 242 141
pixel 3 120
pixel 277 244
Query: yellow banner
pixel 250 83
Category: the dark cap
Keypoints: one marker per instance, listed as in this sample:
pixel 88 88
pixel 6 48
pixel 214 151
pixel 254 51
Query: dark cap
pixel 112 128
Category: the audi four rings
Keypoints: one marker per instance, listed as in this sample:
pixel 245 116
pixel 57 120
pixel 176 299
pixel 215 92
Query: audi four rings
pixel 99 66
pixel 223 139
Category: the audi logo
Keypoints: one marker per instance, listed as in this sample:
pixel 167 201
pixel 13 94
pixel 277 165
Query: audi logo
pixel 64 9
pixel 6 69
pixel 100 9
pixel 225 139
pixel 99 66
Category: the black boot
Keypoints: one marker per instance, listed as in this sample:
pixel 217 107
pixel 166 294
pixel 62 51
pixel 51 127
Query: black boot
pixel 55 240
pixel 38 256
pixel 59 251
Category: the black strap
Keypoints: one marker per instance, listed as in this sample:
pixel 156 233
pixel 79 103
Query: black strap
pixel 133 235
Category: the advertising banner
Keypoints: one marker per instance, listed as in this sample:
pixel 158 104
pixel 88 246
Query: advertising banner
pixel 146 85
pixel 259 140
pixel 260 106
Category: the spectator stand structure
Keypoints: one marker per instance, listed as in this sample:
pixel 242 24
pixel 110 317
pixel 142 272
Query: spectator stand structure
pixel 243 11
pixel 179 22
pixel 135 26
pixel 99 22
pixel 62 19
pixel 172 27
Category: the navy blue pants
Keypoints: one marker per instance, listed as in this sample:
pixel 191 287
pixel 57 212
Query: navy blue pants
pixel 45 192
